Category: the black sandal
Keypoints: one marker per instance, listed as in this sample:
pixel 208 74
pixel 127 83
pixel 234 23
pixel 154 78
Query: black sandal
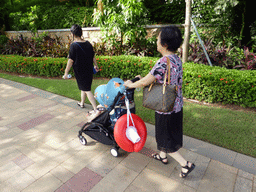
pixel 159 158
pixel 182 174
pixel 80 105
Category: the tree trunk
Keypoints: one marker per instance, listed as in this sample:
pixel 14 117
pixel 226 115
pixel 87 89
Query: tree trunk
pixel 187 31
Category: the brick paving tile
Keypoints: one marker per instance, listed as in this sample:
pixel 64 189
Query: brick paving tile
pixel 35 157
pixel 83 181
pixel 36 121
pixel 26 98
pixel 146 151
pixel 23 161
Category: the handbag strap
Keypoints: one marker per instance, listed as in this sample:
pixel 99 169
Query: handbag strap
pixel 79 46
pixel 84 53
pixel 168 72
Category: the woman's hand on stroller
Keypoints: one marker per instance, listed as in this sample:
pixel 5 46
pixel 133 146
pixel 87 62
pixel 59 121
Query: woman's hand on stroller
pixel 138 76
pixel 128 83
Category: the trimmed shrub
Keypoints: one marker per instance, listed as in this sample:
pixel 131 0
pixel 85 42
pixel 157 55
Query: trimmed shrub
pixel 125 67
pixel 217 84
pixel 201 82
pixel 45 66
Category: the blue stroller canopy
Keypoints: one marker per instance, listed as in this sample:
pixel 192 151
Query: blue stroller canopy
pixel 106 94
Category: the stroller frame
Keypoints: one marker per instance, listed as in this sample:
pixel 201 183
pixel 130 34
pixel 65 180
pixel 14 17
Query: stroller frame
pixel 100 128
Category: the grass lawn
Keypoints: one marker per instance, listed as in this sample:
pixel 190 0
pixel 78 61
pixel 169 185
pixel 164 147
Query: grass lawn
pixel 231 129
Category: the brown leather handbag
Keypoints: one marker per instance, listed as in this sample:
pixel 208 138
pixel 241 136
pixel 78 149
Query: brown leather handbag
pixel 160 97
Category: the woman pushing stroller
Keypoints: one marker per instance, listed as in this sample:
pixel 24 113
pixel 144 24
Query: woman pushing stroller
pixel 169 125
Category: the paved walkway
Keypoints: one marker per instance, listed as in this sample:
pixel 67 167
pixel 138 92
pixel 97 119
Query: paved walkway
pixel 40 151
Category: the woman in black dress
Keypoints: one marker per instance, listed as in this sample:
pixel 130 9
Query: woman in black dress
pixel 168 126
pixel 81 58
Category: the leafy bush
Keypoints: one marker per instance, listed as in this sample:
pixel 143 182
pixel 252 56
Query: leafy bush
pixel 216 84
pixel 249 60
pixel 201 82
pixel 222 55
pixel 166 12
pixel 38 46
pixel 125 67
pixel 44 46
pixel 3 40
pixel 46 66
pixel 40 17
pixel 122 22
pixel 59 17
pixel 143 47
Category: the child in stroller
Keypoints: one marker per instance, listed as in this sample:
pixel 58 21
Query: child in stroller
pixel 112 98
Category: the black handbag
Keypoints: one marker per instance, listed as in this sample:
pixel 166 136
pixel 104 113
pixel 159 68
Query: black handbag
pixel 160 97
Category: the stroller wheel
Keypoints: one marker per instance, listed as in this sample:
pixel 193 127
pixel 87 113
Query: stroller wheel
pixel 82 140
pixel 114 152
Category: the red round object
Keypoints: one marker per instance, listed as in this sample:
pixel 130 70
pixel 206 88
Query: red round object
pixel 120 133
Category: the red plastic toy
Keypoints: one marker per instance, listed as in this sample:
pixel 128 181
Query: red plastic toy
pixel 120 133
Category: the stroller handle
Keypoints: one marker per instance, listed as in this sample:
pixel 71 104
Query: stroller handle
pixel 120 94
pixel 133 80
pixel 115 101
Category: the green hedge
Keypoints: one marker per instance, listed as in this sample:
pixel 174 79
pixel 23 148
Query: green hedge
pixel 217 84
pixel 125 67
pixel 41 66
pixel 201 82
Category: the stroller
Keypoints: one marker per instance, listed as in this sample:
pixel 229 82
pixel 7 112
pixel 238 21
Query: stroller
pixel 101 128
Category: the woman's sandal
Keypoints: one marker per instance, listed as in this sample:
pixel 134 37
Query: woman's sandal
pixel 157 157
pixel 80 105
pixel 182 174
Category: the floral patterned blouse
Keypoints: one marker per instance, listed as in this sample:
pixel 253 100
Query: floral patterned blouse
pixel 176 78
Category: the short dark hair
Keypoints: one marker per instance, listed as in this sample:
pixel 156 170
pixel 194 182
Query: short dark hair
pixel 76 30
pixel 171 37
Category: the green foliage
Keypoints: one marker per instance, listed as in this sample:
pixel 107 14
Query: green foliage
pixel 201 82
pixel 59 17
pixel 3 40
pixel 49 16
pixel 46 66
pixel 224 55
pixel 230 21
pixel 145 47
pixel 123 19
pixel 216 84
pixel 37 46
pixel 4 11
pixel 125 67
pixel 85 3
pixel 172 12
